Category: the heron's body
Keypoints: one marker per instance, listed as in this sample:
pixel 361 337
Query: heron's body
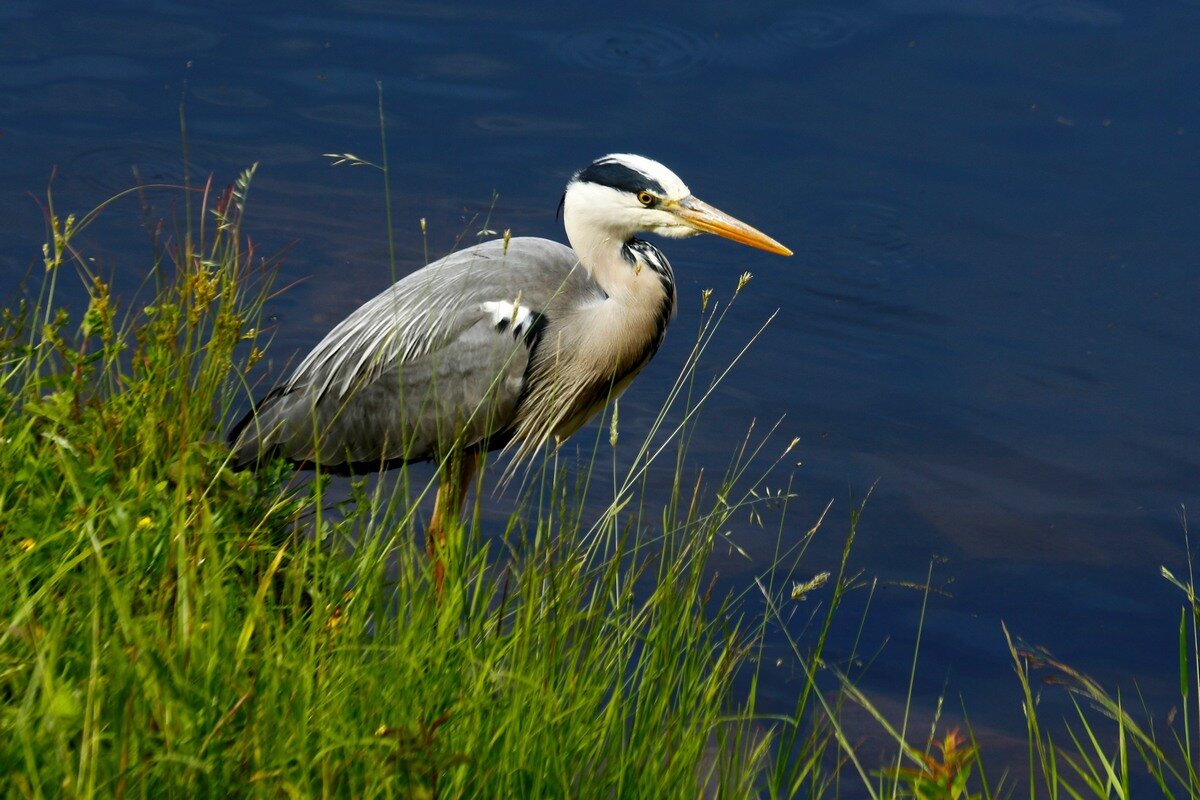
pixel 500 343
pixel 505 344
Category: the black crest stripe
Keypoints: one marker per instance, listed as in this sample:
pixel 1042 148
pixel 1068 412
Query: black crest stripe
pixel 609 172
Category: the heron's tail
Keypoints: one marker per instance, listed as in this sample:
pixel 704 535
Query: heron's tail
pixel 251 438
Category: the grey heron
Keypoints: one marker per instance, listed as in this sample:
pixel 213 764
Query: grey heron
pixel 503 345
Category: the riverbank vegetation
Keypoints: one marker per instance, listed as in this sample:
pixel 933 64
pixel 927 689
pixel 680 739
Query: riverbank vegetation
pixel 174 628
pixel 171 628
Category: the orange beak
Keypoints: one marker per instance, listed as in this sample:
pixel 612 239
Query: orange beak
pixel 703 217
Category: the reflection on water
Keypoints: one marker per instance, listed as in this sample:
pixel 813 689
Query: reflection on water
pixel 991 311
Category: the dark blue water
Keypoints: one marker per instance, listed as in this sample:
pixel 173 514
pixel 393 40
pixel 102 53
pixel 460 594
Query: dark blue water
pixel 991 314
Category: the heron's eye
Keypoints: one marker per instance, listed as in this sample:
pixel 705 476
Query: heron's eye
pixel 646 199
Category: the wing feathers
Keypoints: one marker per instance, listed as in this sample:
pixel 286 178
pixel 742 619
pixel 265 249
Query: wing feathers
pixel 440 355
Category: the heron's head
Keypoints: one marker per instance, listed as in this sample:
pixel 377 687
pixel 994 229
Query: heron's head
pixel 623 194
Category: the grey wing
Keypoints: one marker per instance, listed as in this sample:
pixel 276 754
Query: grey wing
pixel 439 358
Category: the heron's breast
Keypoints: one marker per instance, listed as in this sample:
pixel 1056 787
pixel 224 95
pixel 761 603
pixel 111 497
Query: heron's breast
pixel 592 355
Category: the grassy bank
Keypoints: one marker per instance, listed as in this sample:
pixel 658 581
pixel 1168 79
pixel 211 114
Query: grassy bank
pixel 170 628
pixel 173 628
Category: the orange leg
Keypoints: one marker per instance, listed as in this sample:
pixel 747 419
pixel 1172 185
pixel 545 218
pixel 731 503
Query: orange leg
pixel 455 479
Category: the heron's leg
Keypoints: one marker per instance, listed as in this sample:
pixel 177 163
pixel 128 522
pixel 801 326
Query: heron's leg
pixel 453 482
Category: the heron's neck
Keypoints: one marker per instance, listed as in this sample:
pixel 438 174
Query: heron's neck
pixel 631 272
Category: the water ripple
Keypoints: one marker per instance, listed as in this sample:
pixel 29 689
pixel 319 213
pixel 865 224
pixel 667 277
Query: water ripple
pixel 109 168
pixel 231 96
pixel 18 9
pixel 345 115
pixel 49 70
pixel 811 28
pixel 874 232
pixel 518 124
pixel 1078 13
pixel 140 36
pixel 1070 12
pixel 636 52
pixel 794 32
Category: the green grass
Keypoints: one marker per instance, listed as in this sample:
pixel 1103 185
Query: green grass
pixel 172 628
pixel 1108 748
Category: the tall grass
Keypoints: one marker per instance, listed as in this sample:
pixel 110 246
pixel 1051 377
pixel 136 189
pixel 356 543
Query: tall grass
pixel 1115 746
pixel 1109 747
pixel 170 628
